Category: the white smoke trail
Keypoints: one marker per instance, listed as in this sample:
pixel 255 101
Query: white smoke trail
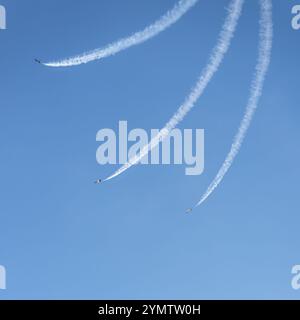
pixel 265 49
pixel 224 40
pixel 151 31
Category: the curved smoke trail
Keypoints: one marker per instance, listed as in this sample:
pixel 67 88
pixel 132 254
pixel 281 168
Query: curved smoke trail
pixel 151 31
pixel 225 37
pixel 265 49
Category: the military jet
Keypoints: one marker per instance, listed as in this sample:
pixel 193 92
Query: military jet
pixel 37 61
pixel 98 181
pixel 189 210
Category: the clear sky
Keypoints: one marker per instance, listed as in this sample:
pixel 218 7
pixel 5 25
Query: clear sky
pixel 63 237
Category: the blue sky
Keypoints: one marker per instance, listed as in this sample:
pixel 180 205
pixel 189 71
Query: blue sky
pixel 63 237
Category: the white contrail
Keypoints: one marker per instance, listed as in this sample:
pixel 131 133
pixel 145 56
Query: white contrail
pixel 218 53
pixel 151 31
pixel 265 49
